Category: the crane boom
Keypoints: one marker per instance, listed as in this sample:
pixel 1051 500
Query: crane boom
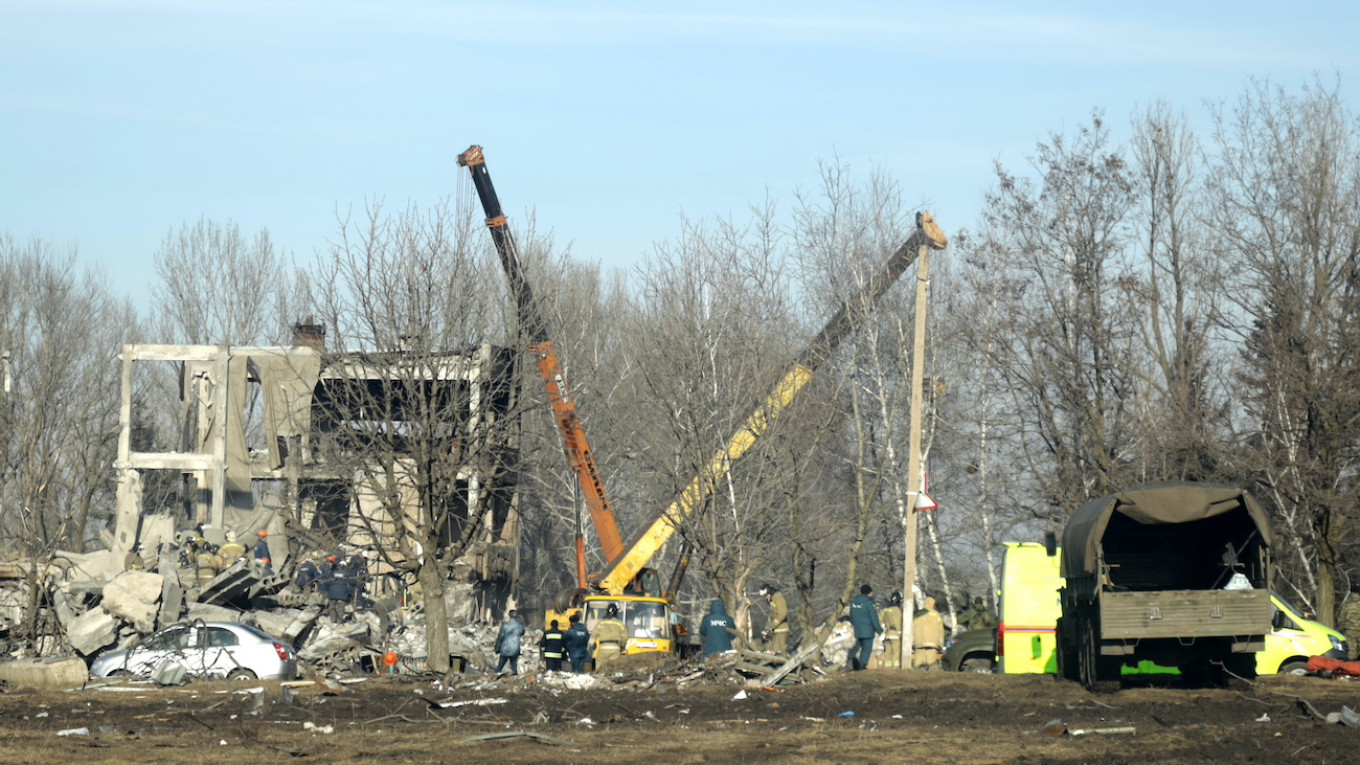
pixel 623 570
pixel 574 442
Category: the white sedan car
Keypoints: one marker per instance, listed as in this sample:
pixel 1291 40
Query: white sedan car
pixel 204 649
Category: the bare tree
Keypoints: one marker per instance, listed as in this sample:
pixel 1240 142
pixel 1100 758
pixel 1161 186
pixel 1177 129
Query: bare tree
pixel 60 333
pixel 1068 354
pixel 407 295
pixel 218 286
pixel 1286 209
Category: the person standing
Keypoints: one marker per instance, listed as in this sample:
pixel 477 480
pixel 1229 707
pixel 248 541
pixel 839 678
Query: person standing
pixel 927 637
pixel 611 637
pixel 261 554
pixel 207 563
pixel 508 643
pixel 1348 622
pixel 577 644
pixel 231 551
pixel 892 632
pixel 778 625
pixel 553 647
pixel 864 619
pixel 307 575
pixel 336 584
pixel 717 629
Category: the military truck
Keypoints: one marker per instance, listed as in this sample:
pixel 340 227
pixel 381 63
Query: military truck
pixel 1178 574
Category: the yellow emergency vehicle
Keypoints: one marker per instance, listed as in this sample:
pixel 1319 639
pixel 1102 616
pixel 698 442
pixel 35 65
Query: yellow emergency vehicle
pixel 1026 643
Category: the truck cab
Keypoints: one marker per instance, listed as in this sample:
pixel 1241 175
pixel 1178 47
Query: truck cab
pixel 648 620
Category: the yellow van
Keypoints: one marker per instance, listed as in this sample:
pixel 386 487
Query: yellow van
pixel 1028 607
pixel 1026 643
pixel 1293 638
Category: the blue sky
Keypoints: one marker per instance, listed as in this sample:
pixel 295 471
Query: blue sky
pixel 121 120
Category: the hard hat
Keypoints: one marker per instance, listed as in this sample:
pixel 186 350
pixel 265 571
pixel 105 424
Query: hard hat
pixel 612 611
pixel 330 558
pixel 895 599
pixel 262 533
pixel 766 589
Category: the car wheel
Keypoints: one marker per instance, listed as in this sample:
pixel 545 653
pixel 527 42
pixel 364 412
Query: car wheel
pixel 1294 668
pixel 240 673
pixel 981 666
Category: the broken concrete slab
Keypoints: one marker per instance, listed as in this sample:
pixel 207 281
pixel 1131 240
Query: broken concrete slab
pixel 211 613
pixel 234 584
pixel 302 621
pixel 60 673
pixel 91 631
pixel 134 596
pixel 169 672
pixel 172 602
pixel 331 638
pixel 273 622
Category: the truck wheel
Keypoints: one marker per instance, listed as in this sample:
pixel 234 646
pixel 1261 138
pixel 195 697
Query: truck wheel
pixel 1098 674
pixel 1068 654
pixel 979 665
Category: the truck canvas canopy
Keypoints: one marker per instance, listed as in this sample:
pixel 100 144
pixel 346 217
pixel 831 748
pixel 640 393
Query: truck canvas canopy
pixel 1175 514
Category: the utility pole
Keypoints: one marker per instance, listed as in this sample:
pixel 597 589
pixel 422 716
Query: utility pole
pixel 914 455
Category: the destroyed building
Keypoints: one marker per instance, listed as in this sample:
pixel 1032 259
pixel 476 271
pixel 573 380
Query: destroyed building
pixel 322 449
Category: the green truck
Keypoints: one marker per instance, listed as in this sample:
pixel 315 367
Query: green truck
pixel 1176 574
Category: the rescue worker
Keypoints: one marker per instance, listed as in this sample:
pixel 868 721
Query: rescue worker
pixel 261 554
pixel 337 588
pixel 552 647
pixel 864 620
pixel 892 632
pixel 611 637
pixel 1348 622
pixel 206 563
pixel 232 551
pixel 577 643
pixel 307 575
pixel 927 637
pixel 717 629
pixel 508 643
pixel 777 628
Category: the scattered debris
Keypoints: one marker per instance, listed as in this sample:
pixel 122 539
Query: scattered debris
pixel 539 737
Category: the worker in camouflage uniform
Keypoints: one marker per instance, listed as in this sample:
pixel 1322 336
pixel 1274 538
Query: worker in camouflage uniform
pixel 1348 622
pixel 892 632
pixel 777 629
pixel 977 617
pixel 611 637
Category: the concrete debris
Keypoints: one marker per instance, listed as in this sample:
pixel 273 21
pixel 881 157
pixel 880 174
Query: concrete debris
pixel 134 596
pixel 50 674
pixel 1346 716
pixel 169 673
pixel 91 631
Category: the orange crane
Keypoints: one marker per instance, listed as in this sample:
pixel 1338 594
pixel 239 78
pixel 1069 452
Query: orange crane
pixel 574 441
pixel 647 611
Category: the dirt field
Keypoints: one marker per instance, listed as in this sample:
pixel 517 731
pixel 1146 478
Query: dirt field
pixel 870 717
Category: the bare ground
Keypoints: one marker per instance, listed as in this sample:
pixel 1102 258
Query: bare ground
pixel 962 719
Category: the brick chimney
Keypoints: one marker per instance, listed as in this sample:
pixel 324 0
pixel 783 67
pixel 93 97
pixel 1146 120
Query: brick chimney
pixel 309 333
